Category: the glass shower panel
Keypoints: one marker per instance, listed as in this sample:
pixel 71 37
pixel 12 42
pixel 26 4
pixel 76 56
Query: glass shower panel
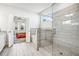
pixel 66 22
pixel 45 32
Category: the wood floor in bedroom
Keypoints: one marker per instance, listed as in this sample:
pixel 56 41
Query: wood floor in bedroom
pixel 25 49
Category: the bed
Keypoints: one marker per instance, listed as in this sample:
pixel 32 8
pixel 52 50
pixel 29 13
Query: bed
pixel 20 35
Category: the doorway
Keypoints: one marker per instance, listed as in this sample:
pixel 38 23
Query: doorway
pixel 19 29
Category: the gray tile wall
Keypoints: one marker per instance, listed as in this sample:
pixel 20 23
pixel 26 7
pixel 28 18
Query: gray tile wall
pixel 68 33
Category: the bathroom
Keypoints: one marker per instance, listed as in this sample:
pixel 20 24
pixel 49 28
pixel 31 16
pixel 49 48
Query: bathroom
pixel 48 29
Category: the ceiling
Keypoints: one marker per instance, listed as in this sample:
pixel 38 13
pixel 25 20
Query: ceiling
pixel 33 7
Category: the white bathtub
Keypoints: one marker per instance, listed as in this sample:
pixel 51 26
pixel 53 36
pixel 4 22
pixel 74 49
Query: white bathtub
pixel 2 40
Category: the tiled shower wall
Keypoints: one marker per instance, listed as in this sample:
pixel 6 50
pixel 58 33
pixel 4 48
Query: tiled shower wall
pixel 66 39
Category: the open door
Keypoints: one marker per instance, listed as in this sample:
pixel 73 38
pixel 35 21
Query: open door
pixel 20 29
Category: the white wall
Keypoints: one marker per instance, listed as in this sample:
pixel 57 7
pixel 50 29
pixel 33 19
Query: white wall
pixel 60 6
pixel 7 13
pixel 6 17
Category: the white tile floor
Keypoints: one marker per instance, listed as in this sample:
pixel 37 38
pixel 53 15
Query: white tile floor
pixel 25 49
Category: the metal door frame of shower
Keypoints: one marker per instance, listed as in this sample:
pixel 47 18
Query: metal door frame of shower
pixel 39 29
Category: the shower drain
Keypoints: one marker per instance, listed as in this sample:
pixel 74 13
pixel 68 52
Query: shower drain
pixel 61 53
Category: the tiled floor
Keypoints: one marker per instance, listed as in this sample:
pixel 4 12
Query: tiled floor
pixel 25 49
